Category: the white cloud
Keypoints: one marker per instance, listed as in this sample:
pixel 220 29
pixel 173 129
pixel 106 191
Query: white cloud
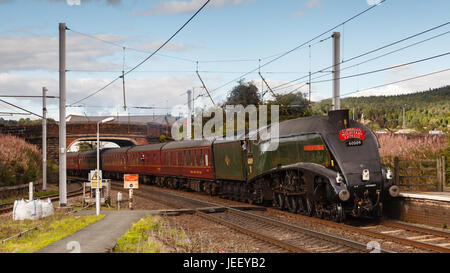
pixel 373 2
pixel 310 4
pixel 157 92
pixel 40 52
pixel 172 7
pixel 313 3
pixel 406 87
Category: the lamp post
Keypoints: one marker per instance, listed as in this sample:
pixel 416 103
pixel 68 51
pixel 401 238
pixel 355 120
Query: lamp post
pixel 97 190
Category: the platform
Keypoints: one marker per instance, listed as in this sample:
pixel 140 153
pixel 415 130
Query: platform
pixel 99 237
pixel 425 208
pixel 436 196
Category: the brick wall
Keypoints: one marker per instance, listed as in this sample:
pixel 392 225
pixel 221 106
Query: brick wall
pixel 419 211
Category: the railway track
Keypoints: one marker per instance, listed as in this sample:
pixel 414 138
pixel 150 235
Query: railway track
pixel 289 237
pixel 387 231
pixel 8 207
pixel 391 231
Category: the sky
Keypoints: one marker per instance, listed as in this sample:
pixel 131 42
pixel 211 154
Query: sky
pixel 225 41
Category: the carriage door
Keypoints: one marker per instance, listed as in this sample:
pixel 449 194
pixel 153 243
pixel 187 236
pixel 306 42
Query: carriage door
pixel 248 154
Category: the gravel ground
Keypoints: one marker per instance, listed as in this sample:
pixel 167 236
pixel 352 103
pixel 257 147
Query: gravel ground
pixel 205 236
pixel 211 237
pixel 293 219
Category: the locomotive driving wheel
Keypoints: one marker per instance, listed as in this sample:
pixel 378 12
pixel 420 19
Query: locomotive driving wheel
pixel 278 200
pixel 292 203
pixel 337 213
pixel 309 206
pixel 301 205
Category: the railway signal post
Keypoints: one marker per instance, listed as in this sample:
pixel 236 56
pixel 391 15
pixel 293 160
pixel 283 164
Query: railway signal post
pixel 131 182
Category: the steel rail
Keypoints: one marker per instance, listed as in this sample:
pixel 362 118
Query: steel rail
pixel 295 228
pixel 370 233
pixel 54 197
pixel 413 228
pixel 252 233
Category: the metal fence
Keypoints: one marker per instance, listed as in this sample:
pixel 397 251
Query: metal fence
pixel 18 190
pixel 421 175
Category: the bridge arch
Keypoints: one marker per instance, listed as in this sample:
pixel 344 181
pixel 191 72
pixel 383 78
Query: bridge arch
pixel 120 141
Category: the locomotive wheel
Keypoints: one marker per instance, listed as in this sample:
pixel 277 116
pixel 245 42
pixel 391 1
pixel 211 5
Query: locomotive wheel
pixel 301 205
pixel 319 212
pixel 278 200
pixel 309 207
pixel 292 203
pixel 337 213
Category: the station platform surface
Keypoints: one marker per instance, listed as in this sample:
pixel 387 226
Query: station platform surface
pixel 99 237
pixel 425 208
pixel 434 196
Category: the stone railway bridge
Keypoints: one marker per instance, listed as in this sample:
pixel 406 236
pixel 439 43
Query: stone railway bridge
pixel 120 132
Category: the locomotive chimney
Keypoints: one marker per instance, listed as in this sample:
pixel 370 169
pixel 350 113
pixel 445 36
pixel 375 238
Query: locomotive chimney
pixel 339 117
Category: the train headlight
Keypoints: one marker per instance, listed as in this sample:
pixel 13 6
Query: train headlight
pixel 389 174
pixel 365 175
pixel 339 178
pixel 344 195
pixel 394 191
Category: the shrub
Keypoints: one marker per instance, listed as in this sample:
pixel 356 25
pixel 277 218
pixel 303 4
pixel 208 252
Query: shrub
pixel 412 147
pixel 20 162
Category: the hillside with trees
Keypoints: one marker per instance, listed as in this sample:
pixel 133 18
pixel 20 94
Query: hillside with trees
pixel 424 111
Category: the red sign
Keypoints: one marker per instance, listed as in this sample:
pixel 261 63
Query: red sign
pixel 350 133
pixel 313 148
pixel 131 177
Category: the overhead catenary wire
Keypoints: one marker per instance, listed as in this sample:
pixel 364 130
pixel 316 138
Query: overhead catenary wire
pixel 399 81
pixel 23 109
pixel 387 68
pixel 127 47
pixel 369 52
pixel 26 96
pixel 386 84
pixel 13 114
pixel 183 71
pixel 151 55
pixel 299 46
pixel 369 60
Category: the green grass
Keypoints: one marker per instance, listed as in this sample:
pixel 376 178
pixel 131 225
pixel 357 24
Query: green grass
pixel 50 229
pixel 140 238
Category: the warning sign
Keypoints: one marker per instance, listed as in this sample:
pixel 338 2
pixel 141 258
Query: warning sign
pixel 95 179
pixel 131 181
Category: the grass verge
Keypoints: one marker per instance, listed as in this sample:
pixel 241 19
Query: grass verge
pixel 50 230
pixel 152 234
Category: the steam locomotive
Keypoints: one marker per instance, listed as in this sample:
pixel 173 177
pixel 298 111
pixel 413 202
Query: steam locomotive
pixel 324 166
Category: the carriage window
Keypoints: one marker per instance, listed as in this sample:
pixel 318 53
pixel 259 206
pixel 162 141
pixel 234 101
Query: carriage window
pixel 195 157
pixel 185 161
pixel 201 157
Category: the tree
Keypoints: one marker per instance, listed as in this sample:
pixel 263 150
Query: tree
pixel 86 146
pixel 292 105
pixel 244 94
